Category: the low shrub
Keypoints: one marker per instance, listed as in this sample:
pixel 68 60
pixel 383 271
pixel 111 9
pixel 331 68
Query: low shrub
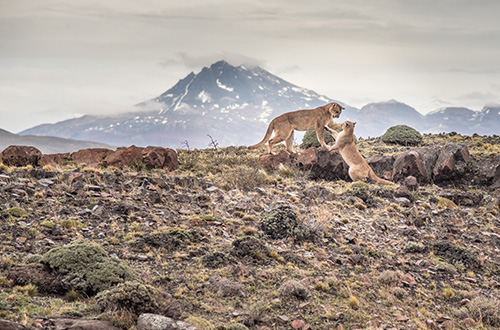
pixel 402 135
pixel 86 267
pixel 137 298
pixel 310 139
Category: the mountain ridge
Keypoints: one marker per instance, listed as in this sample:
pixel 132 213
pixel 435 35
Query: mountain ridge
pixel 48 144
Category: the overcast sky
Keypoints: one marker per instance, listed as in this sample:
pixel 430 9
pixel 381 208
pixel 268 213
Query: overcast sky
pixel 61 59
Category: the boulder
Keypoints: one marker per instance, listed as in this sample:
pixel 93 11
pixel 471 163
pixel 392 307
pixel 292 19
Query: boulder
pixel 131 156
pixel 20 156
pixel 91 157
pixel 381 165
pixel 9 325
pixel 158 322
pixel 452 162
pixel 418 162
pixel 273 161
pixel 54 159
pixel 159 157
pixel 488 171
pixel 323 164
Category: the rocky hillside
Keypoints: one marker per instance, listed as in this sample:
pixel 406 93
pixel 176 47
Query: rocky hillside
pixel 232 239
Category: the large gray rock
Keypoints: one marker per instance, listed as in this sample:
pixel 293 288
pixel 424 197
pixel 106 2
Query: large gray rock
pixel 274 161
pixel 488 171
pixel 20 156
pixel 452 162
pixel 417 162
pixel 323 164
pixel 158 322
pixel 9 325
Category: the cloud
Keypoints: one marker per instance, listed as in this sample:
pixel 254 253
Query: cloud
pixel 194 62
pixel 478 96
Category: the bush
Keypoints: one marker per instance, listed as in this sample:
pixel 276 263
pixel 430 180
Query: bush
pixel 169 238
pixel 310 139
pixel 17 212
pixel 294 289
pixel 86 267
pixel 486 310
pixel 137 298
pixel 281 222
pixel 402 135
pixel 249 246
pixel 215 259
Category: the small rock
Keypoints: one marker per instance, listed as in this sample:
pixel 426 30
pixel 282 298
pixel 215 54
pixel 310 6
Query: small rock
pixel 46 182
pixel 408 279
pixel 468 322
pixel 403 201
pixel 297 324
pixel 411 182
pixel 431 325
pixel 158 322
pixel 21 240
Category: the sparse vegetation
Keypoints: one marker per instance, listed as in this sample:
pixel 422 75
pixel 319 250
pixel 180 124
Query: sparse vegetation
pixel 225 244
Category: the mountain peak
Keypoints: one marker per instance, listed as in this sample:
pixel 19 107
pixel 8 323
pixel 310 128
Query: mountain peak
pixel 220 65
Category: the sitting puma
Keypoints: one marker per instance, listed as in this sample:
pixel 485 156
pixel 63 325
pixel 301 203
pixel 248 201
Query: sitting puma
pixel 359 170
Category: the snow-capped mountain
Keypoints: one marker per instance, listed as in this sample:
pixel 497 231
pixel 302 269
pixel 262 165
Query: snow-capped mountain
pixel 232 104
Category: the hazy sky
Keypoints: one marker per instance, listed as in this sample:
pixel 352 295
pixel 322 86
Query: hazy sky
pixel 61 59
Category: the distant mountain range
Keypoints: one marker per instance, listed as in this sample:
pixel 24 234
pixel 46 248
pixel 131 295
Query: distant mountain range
pixel 47 144
pixel 234 106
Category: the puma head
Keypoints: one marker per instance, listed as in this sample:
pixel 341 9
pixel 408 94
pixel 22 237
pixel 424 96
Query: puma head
pixel 335 109
pixel 348 125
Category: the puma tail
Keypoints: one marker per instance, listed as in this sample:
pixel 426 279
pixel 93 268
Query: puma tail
pixel 266 137
pixel 376 179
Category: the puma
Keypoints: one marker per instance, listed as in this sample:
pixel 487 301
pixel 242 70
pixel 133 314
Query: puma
pixel 359 170
pixel 301 120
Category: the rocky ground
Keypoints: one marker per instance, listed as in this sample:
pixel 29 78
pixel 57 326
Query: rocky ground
pixel 230 240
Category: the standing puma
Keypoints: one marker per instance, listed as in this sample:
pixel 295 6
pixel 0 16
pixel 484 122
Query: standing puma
pixel 301 120
pixel 359 170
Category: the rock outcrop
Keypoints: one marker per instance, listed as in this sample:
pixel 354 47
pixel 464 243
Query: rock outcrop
pixel 20 156
pixel 150 157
